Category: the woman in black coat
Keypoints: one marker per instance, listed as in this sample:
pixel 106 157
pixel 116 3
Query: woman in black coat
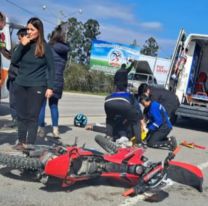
pixel 60 51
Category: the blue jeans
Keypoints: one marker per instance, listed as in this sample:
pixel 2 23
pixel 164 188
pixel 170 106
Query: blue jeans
pixel 53 104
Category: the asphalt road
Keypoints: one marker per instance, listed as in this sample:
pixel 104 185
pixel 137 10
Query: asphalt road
pixel 16 189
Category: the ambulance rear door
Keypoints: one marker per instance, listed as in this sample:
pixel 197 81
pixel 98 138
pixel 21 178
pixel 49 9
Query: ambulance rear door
pixel 176 54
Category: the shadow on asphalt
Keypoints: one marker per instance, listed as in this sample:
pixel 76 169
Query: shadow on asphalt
pixel 62 129
pixel 192 124
pixel 18 175
pixel 56 186
pixel 9 136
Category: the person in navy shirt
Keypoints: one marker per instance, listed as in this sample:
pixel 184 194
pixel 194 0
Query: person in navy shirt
pixel 122 116
pixel 60 51
pixel 159 125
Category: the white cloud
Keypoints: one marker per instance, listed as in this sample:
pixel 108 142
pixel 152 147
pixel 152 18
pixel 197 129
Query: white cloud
pixel 151 25
pixel 123 35
pixel 112 12
pixel 117 22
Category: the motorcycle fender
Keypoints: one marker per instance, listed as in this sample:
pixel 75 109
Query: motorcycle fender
pixel 186 174
pixel 58 167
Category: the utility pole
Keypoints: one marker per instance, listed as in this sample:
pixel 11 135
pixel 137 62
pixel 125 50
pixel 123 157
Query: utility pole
pixel 61 13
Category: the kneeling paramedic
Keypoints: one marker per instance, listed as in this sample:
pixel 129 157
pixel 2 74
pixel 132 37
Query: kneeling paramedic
pixel 165 97
pixel 159 125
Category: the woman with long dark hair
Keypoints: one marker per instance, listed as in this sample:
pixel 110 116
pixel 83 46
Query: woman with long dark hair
pixel 60 50
pixel 34 81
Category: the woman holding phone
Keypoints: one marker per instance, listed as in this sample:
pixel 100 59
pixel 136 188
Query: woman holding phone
pixel 34 81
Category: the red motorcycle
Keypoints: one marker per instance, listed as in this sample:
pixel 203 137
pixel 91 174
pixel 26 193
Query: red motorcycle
pixel 73 164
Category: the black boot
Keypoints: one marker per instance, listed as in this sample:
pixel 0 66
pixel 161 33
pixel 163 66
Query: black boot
pixel 172 143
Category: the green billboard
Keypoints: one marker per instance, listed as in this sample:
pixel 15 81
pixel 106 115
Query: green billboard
pixel 108 56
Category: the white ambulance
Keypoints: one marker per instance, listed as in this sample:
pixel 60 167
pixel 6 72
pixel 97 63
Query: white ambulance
pixel 8 38
pixel 188 76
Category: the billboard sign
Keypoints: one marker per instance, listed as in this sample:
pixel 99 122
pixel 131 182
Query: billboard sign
pixel 108 56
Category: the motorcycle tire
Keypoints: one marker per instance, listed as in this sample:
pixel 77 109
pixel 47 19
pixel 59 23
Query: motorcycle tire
pixel 20 162
pixel 106 144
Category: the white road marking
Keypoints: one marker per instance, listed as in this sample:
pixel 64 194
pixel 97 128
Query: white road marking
pixel 203 166
pixel 130 201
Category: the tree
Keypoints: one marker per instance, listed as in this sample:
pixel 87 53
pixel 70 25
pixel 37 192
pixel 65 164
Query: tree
pixel 79 37
pixel 150 47
pixel 134 43
pixel 92 30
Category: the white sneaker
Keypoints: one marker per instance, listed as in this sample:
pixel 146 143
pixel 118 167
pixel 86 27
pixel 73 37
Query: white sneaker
pixel 41 132
pixel 56 132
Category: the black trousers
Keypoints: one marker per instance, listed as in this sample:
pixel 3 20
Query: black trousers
pixel 158 138
pixel 122 119
pixel 28 104
pixel 12 99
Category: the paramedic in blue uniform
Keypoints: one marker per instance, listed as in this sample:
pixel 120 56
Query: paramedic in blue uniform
pixel 165 97
pixel 158 125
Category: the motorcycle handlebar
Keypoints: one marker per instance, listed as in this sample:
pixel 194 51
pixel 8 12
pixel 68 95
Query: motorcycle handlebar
pixel 139 188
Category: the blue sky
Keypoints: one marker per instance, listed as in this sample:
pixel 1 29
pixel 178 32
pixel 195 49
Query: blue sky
pixel 120 20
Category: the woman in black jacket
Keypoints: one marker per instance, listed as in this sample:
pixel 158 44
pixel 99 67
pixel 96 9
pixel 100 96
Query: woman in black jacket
pixel 34 80
pixel 60 51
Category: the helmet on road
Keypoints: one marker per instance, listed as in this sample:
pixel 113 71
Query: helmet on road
pixel 80 120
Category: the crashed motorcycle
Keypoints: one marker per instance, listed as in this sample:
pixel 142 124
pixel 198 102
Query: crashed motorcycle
pixel 72 164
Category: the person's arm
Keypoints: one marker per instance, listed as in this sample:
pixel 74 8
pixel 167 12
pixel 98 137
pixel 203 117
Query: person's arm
pixel 19 50
pixel 6 53
pixel 130 67
pixel 138 108
pixel 17 54
pixel 50 66
pixel 96 128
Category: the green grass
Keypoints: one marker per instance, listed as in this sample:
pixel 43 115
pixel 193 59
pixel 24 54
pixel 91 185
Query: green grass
pixel 99 62
pixel 92 93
